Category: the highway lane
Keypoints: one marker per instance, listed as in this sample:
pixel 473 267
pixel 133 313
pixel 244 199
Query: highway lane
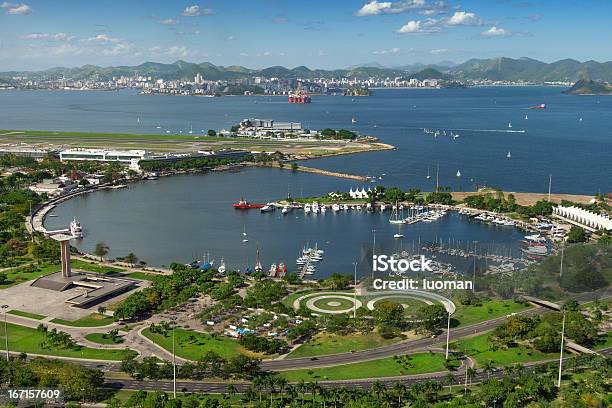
pixel 390 350
pixel 366 383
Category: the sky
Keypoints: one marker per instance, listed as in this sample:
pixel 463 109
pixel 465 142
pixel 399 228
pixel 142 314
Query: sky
pixel 40 34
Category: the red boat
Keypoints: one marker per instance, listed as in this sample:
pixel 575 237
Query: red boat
pixel 540 106
pixel 245 205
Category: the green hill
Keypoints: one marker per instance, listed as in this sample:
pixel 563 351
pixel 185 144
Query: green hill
pixel 589 87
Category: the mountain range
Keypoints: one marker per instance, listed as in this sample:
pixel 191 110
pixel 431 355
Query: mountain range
pixel 497 69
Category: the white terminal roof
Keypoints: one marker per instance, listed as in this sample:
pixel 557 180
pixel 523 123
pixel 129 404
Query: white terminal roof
pixel 585 217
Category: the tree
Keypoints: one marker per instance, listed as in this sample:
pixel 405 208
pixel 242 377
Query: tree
pixel 231 389
pixel 431 317
pixel 576 234
pixel 294 166
pixel 450 380
pixel 211 133
pixel 470 373
pixel 488 367
pixel 101 250
pixel 388 314
pixel 101 310
pixel 399 390
pixel 131 259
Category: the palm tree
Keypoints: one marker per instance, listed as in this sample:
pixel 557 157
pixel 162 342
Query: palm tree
pixel 378 388
pixel 519 369
pixel 281 382
pixel 470 373
pixel 488 368
pixel 259 384
pixel 313 387
pixel 301 388
pixel 101 250
pixel 399 389
pixel 131 259
pixel 231 390
pixel 292 392
pixel 324 394
pixel 450 380
pixel 270 381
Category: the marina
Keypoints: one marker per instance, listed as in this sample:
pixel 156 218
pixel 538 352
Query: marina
pixel 203 220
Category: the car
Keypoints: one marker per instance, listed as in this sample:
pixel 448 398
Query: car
pixel 313 359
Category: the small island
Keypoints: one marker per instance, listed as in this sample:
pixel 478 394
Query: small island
pixel 358 91
pixel 587 86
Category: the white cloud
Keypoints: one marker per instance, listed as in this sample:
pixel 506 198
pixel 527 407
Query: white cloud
pixel 16 9
pixel 439 51
pixel 428 26
pixel 177 51
pixel 195 10
pixel 123 48
pixel 168 21
pixel 437 25
pixel 389 51
pixel 535 17
pixel 425 7
pixel 47 36
pixel 244 54
pixel 464 18
pixel 373 8
pixel 103 39
pixel 495 32
pixel 280 19
pixel 231 38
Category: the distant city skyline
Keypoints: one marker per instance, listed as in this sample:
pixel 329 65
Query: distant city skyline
pixel 38 34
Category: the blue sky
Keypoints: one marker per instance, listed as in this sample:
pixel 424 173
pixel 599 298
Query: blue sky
pixel 38 34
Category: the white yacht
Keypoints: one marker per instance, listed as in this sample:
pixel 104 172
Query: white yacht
pixel 75 228
pixel 221 267
pixel 395 217
pixel 509 155
pixel 267 208
pixel 458 173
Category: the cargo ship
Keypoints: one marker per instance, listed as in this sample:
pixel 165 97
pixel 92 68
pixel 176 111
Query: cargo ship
pixel 245 205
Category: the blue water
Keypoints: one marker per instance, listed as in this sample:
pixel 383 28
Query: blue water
pixel 577 154
pixel 181 218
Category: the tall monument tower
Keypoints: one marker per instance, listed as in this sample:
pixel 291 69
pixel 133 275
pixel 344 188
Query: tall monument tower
pixel 64 240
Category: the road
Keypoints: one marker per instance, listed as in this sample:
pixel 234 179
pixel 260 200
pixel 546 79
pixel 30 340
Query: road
pixel 221 387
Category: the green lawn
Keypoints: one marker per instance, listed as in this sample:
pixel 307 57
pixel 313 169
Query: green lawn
pixel 25 273
pixel 94 267
pixel 27 340
pixel 99 338
pixel 491 309
pixel 606 341
pixel 92 320
pixel 477 347
pixel 142 276
pixel 387 367
pixel 333 303
pixel 26 314
pixel 324 344
pixel 288 301
pixel 192 345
